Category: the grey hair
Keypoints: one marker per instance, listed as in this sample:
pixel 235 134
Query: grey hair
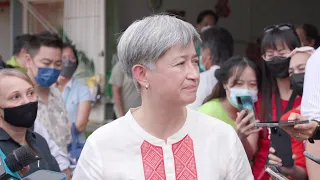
pixel 146 40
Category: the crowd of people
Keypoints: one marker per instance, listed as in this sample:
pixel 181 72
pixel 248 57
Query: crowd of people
pixel 176 90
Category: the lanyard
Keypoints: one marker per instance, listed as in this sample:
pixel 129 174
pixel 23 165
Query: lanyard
pixel 279 104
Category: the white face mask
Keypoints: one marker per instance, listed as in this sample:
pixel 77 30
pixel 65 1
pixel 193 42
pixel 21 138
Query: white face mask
pixel 234 92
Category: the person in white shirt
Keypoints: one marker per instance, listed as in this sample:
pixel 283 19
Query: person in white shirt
pixel 216 48
pixel 163 139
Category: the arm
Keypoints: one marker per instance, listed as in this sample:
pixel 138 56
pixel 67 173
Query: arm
pixel 116 79
pixel 250 145
pixel 310 105
pixel 313 168
pixel 89 165
pixel 83 115
pixel 117 97
pixel 238 164
pixel 296 172
pixel 247 133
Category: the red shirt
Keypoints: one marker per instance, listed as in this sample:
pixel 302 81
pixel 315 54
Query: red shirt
pixel 260 158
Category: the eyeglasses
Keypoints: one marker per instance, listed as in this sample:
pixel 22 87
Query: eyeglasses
pixel 280 27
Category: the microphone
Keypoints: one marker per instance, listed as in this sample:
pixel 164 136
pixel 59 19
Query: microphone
pixel 14 162
pixel 21 158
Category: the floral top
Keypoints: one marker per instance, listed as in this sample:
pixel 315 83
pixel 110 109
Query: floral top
pixel 54 117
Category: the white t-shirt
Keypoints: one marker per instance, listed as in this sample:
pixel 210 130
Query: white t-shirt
pixel 203 149
pixel 206 85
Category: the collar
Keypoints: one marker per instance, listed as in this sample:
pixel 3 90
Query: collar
pixel 69 84
pixel 5 136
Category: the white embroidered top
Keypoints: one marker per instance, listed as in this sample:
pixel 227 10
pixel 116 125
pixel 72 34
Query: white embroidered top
pixel 204 148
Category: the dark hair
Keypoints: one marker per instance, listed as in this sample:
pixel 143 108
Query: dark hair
pixel 220 42
pixel 205 13
pixel 269 85
pixel 276 36
pixel 73 48
pixel 311 33
pixel 20 43
pixel 44 38
pixel 235 64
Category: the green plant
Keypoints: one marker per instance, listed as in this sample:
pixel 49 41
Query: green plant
pixel 89 69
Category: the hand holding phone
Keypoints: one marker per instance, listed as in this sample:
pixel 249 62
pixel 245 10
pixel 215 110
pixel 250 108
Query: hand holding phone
pixel 281 142
pixel 274 173
pixel 243 126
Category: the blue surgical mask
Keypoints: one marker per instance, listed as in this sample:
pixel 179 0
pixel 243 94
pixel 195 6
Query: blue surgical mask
pixel 47 76
pixel 234 92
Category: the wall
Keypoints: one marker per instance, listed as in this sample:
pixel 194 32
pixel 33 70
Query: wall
pixel 5 32
pixel 52 12
pixel 247 19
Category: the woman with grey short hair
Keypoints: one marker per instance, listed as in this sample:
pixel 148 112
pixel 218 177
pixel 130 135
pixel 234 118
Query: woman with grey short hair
pixel 163 139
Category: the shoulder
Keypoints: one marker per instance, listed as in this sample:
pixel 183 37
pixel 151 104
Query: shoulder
pixel 110 132
pixel 209 106
pixel 210 124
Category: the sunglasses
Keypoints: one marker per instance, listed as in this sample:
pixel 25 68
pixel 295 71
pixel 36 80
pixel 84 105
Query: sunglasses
pixel 280 27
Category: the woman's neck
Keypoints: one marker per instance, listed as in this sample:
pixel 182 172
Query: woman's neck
pixel 284 88
pixel 231 111
pixel 160 119
pixel 62 82
pixel 18 134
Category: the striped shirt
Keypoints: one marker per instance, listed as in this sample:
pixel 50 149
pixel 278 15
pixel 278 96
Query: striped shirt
pixel 310 106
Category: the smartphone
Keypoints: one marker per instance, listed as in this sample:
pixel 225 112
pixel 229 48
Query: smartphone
pixel 275 174
pixel 267 124
pixel 281 142
pixel 281 123
pixel 292 123
pixel 245 103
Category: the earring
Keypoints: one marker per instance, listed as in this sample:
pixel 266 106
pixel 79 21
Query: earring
pixel 147 86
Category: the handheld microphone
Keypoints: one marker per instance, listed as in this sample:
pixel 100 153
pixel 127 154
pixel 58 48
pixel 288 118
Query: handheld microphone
pixel 312 157
pixel 14 162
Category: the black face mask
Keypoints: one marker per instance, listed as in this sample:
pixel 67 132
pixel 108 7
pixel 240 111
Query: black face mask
pixel 68 69
pixel 21 116
pixel 296 83
pixel 279 66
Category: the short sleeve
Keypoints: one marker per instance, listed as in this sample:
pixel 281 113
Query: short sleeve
pixel 117 75
pixel 207 109
pixel 89 165
pixel 84 94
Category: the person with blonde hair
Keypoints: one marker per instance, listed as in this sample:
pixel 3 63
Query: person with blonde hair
pixel 162 139
pixel 18 112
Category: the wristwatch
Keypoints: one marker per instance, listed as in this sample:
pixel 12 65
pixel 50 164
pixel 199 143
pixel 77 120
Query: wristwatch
pixel 316 133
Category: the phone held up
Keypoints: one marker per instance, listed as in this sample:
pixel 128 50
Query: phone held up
pixel 245 103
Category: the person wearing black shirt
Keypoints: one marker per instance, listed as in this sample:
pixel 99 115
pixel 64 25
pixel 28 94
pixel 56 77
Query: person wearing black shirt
pixel 18 111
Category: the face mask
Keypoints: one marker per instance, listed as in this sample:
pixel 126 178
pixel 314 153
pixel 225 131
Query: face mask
pixel 68 68
pixel 296 83
pixel 234 92
pixel 21 116
pixel 279 66
pixel 47 76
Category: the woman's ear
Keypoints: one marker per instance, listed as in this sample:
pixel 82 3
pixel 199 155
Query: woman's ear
pixel 139 73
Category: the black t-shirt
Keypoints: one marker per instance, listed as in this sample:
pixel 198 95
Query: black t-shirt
pixel 38 143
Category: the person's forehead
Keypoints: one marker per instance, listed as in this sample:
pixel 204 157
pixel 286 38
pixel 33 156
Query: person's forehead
pixel 299 58
pixel 50 53
pixel 11 84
